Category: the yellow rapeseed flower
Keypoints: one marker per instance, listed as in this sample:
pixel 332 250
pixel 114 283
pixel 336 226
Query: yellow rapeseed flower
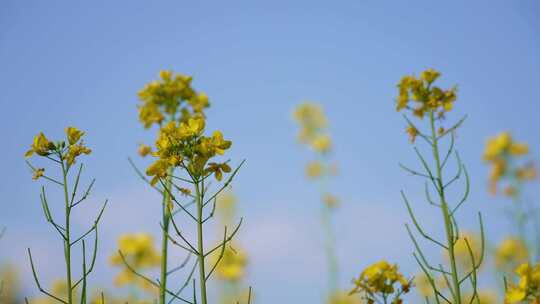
pixel 462 253
pixel 41 146
pixel 424 94
pixel 510 253
pixel 38 173
pixel 321 143
pixel 381 279
pixel 314 169
pixel 144 150
pixel 528 287
pixel 73 135
pixel 232 265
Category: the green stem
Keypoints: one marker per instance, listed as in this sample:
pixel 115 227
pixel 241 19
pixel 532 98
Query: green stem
pixel 166 213
pixel 200 246
pixel 446 213
pixel 67 240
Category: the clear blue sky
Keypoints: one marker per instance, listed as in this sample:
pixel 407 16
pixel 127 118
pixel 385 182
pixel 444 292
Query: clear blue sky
pixel 81 63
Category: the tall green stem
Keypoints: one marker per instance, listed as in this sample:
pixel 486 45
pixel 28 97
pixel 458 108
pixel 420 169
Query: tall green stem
pixel 67 240
pixel 446 213
pixel 200 246
pixel 166 214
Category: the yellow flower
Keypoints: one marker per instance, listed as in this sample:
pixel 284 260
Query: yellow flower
pixel 232 265
pixel 484 297
pixel 342 297
pixel 428 98
pixel 497 145
pixel 226 206
pixel 518 149
pixel 321 143
pixel 193 127
pixel 74 151
pixel 462 253
pixel 413 132
pixel 144 150
pixel 38 173
pixel 527 173
pixel 139 252
pixel 510 253
pixel 169 97
pixel 199 102
pixel 217 169
pixel 330 200
pixel 429 75
pixel 314 169
pixel 158 170
pixel 185 191
pixel 73 135
pixel 149 114
pixel 41 146
pixel 312 121
pixel 382 279
pixel 528 287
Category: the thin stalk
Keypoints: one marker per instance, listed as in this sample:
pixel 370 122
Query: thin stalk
pixel 200 249
pixel 166 214
pixel 446 213
pixel 67 241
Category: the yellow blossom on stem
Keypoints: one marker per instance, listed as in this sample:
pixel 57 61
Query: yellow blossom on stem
pixel 528 287
pixel 381 280
pixel 144 150
pixel 38 173
pixel 41 146
pixel 425 96
pixel 73 135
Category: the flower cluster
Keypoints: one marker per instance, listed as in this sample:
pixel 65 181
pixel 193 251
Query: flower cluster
pixel 182 144
pixel 381 280
pixel 510 253
pixel 63 151
pixel 313 124
pixel 171 96
pixel 426 96
pixel 528 288
pixel 501 152
pixel 137 251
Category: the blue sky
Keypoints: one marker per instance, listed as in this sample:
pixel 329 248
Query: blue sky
pixel 82 63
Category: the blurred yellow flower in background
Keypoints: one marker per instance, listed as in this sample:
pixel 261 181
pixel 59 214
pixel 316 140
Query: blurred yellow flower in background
pixel 314 169
pixel 502 153
pixel 139 253
pixel 462 253
pixel 510 253
pixel 232 265
pixel 343 297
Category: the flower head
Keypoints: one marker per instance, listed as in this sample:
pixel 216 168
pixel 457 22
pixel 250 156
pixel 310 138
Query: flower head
pixel 381 279
pixel 424 95
pixel 41 146
pixel 170 96
pixel 503 153
pixel 528 287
